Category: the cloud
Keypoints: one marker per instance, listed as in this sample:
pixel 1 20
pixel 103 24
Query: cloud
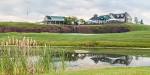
pixel 37 9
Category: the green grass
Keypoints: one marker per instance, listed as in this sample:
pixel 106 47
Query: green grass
pixel 138 37
pixel 110 71
pixel 131 39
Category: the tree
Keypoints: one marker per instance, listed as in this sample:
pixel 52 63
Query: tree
pixel 70 20
pixel 141 22
pixel 95 15
pixel 81 21
pixel 136 20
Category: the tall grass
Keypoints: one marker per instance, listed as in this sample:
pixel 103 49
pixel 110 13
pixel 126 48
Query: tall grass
pixel 25 57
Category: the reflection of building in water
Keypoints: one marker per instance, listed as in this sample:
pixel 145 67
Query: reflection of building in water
pixel 96 57
pixel 113 59
pixel 137 58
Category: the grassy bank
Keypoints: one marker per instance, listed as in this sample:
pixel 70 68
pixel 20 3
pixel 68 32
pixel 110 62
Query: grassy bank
pixel 110 71
pixel 37 28
pixel 130 39
pixel 139 36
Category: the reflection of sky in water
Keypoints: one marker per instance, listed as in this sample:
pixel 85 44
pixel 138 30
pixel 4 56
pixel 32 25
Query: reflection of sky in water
pixel 87 61
pixel 140 61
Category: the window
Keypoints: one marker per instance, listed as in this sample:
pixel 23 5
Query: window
pixel 118 16
pixel 122 15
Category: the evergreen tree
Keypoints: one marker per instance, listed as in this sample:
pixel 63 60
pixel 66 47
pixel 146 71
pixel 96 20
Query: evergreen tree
pixel 141 22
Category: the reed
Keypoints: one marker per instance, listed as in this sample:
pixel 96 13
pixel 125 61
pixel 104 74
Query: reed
pixel 25 57
pixel 22 42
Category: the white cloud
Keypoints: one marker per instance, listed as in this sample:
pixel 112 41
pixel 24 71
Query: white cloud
pixel 16 10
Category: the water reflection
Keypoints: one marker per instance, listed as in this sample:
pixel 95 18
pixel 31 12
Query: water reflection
pixel 108 58
pixel 112 59
pixel 83 60
pixel 96 59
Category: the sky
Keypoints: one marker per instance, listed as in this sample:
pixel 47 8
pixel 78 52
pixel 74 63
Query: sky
pixel 35 10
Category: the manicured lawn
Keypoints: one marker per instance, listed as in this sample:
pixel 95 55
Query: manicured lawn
pixel 110 71
pixel 138 37
pixel 130 39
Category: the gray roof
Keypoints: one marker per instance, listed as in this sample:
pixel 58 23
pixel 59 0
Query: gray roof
pixel 55 18
pixel 107 17
pixel 119 16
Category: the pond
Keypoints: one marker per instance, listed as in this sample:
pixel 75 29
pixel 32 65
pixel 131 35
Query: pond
pixel 100 58
pixel 45 59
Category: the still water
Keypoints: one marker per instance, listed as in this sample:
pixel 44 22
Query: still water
pixel 86 60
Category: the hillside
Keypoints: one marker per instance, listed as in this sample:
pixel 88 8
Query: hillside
pixel 139 36
pixel 37 28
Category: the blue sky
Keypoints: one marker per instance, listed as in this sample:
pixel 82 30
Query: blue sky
pixel 16 10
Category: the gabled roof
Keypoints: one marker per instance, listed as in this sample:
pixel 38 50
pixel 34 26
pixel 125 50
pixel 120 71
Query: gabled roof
pixel 111 16
pixel 118 16
pixel 94 18
pixel 55 18
pixel 103 17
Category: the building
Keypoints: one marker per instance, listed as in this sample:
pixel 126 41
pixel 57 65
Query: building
pixel 122 17
pixel 99 19
pixel 54 20
pixel 111 18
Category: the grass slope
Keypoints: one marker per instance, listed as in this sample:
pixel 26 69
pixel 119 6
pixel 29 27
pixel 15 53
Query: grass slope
pixel 109 71
pixel 138 37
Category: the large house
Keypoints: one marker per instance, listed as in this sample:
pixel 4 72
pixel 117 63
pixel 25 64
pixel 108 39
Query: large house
pixel 111 18
pixel 54 20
